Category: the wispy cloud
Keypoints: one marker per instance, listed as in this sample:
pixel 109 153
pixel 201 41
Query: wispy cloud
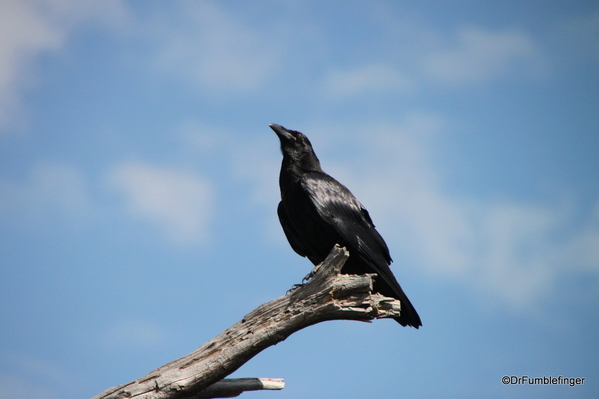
pixel 221 52
pixel 24 33
pixel 31 28
pixel 477 55
pixel 374 78
pixel 214 49
pixel 419 56
pixel 504 249
pixel 180 203
pixel 50 188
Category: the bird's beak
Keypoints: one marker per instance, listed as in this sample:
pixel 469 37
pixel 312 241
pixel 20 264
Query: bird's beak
pixel 281 132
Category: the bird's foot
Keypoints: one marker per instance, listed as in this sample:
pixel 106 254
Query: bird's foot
pixel 295 287
pixel 312 273
pixel 305 279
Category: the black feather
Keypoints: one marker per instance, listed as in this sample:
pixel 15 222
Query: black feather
pixel 317 212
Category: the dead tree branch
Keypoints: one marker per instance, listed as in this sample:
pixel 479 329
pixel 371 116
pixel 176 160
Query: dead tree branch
pixel 232 387
pixel 329 295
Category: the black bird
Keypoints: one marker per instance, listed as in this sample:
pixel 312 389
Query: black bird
pixel 317 212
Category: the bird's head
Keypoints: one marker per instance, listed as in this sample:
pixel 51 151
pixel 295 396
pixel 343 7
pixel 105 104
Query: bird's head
pixel 296 148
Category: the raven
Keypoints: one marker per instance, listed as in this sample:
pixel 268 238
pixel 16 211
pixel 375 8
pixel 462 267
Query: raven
pixel 317 212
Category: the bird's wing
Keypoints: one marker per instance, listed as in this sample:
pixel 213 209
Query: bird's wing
pixel 337 206
pixel 292 236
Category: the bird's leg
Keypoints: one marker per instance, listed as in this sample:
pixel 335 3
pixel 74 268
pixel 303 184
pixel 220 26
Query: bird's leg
pixel 305 279
pixel 312 273
pixel 295 287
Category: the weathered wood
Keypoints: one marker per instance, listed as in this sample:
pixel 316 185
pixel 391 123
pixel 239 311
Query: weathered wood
pixel 327 296
pixel 232 387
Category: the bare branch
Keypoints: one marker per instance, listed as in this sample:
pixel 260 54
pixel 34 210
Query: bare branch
pixel 232 387
pixel 327 296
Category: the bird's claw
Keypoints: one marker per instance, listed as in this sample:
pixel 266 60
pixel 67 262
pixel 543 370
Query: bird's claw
pixel 312 273
pixel 295 287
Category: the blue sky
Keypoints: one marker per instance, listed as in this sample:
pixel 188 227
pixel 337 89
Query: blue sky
pixel 139 185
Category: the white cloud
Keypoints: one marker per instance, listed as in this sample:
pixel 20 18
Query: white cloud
pixel 364 80
pixel 31 28
pixel 24 33
pixel 214 49
pixel 179 202
pixel 582 251
pixel 478 55
pixel 422 56
pixel 400 177
pixel 458 55
pixel 515 259
pixel 49 188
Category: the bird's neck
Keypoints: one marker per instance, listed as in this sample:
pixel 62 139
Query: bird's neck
pixel 296 168
pixel 292 171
